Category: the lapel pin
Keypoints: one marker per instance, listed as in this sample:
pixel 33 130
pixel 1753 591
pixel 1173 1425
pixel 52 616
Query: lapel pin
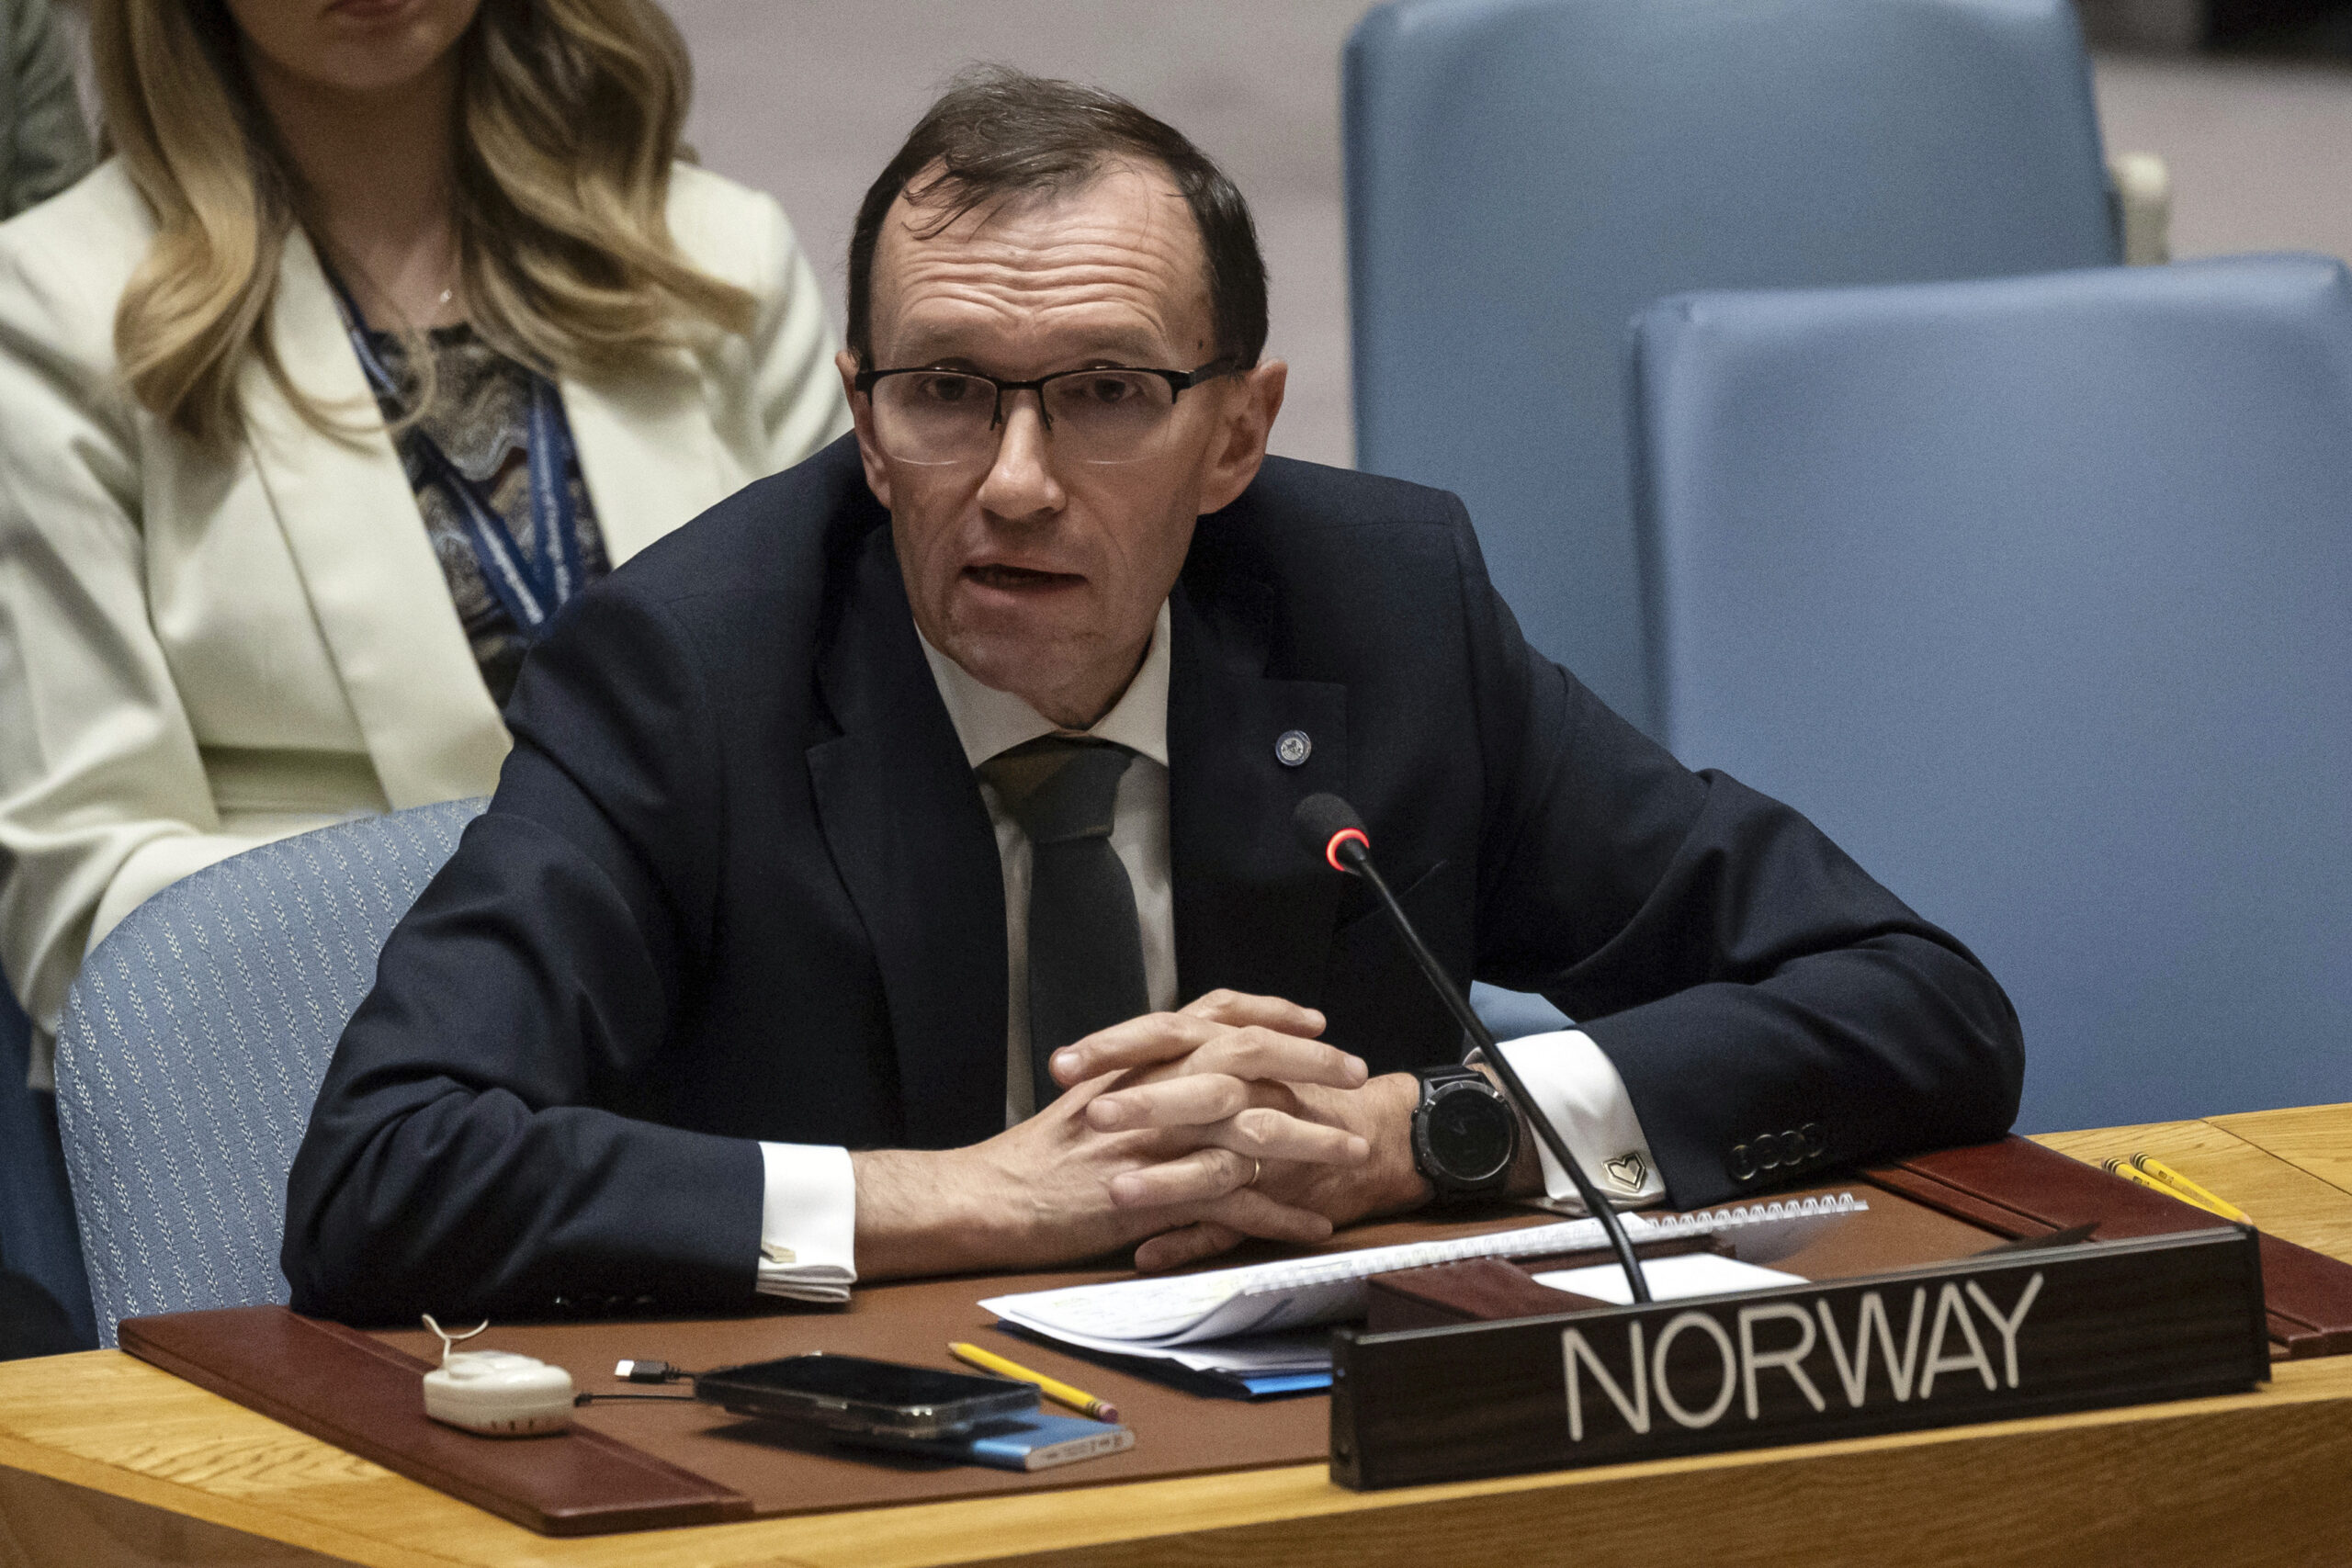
pixel 1293 748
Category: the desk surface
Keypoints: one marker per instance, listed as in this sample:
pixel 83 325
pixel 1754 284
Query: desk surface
pixel 104 1459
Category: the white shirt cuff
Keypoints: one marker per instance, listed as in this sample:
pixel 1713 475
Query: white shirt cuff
pixel 1574 1082
pixel 809 1223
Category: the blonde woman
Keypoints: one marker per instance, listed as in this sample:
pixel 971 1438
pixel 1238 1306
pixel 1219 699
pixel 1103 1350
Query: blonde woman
pixel 391 325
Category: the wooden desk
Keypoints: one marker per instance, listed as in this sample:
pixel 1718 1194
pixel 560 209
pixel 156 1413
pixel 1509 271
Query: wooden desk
pixel 106 1461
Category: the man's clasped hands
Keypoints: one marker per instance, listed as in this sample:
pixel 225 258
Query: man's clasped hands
pixel 1185 1132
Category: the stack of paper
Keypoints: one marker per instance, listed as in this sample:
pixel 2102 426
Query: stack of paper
pixel 1267 1319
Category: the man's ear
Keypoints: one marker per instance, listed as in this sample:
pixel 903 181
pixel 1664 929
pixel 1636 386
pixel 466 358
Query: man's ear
pixel 1239 445
pixel 861 413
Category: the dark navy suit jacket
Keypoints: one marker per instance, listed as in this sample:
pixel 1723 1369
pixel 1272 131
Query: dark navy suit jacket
pixel 738 882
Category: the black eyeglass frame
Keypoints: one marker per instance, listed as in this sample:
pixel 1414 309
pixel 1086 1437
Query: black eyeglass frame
pixel 1179 381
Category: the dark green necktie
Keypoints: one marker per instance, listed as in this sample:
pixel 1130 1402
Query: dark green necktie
pixel 1085 943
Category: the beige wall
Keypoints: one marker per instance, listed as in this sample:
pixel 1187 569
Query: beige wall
pixel 2260 154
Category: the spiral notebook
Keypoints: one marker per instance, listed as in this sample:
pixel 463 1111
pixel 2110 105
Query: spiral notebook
pixel 1258 1320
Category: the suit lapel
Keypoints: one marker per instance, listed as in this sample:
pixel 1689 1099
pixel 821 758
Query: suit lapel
pixel 350 522
pixel 1254 908
pixel 647 454
pixel 911 839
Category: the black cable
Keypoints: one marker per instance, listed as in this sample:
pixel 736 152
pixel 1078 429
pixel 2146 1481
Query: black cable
pixel 1353 850
pixel 601 1398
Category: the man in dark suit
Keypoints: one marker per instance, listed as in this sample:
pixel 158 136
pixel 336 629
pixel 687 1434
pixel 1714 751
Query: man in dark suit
pixel 956 768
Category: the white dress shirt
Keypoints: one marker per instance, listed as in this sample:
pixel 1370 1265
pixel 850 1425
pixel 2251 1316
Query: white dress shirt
pixel 809 1220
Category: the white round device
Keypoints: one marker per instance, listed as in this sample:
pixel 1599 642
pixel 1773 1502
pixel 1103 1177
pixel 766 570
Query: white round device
pixel 499 1392
pixel 496 1392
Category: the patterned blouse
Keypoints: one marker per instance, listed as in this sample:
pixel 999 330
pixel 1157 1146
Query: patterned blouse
pixel 481 416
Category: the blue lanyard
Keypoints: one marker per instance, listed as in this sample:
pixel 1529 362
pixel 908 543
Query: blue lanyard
pixel 530 589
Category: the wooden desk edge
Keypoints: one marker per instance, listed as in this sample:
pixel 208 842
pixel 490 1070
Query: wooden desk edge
pixel 975 1529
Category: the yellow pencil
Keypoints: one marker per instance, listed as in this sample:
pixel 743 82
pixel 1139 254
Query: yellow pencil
pixel 2139 1178
pixel 2179 1182
pixel 1078 1399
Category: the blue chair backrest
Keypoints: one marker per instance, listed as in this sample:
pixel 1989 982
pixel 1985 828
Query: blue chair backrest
pixel 193 1044
pixel 2037 595
pixel 1524 175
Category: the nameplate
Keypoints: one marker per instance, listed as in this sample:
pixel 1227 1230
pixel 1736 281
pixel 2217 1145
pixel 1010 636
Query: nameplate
pixel 1985 1339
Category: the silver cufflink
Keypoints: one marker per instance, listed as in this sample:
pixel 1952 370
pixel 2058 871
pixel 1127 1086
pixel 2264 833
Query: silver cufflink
pixel 1628 1171
pixel 1293 748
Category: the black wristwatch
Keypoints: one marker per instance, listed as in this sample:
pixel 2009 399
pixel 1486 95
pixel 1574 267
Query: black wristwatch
pixel 1465 1133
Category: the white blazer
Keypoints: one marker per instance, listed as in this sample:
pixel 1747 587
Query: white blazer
pixel 202 651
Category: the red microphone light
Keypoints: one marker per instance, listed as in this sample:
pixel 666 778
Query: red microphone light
pixel 1323 823
pixel 1331 849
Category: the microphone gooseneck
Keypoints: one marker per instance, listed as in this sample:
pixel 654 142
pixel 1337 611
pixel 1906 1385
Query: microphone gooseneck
pixel 1333 831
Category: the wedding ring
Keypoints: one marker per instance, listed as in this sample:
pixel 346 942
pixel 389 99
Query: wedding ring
pixel 1257 1168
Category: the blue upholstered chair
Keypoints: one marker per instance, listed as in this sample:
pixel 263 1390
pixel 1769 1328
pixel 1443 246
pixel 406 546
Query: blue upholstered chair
pixel 193 1044
pixel 2036 593
pixel 1524 175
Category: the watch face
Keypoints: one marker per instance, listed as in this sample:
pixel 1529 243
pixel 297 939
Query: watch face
pixel 1469 1133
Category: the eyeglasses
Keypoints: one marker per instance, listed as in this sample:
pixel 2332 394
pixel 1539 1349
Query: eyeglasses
pixel 1110 414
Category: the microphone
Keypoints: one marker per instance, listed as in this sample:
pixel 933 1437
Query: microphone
pixel 1332 829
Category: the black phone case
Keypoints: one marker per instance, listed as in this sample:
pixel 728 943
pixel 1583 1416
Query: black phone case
pixel 739 1396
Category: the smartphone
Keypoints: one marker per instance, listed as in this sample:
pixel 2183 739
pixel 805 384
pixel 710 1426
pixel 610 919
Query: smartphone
pixel 851 1394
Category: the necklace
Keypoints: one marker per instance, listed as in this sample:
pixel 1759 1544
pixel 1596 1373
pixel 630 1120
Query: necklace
pixel 440 300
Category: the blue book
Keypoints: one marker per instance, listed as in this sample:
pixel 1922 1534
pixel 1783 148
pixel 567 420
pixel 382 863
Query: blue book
pixel 1013 1442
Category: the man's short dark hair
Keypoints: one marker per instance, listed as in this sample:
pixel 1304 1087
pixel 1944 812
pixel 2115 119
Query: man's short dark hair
pixel 998 134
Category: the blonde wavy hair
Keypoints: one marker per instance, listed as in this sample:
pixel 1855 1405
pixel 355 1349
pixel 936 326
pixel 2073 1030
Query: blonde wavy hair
pixel 569 115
